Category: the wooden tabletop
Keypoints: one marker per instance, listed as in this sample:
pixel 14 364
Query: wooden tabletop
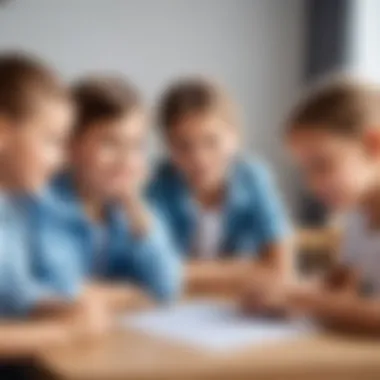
pixel 128 354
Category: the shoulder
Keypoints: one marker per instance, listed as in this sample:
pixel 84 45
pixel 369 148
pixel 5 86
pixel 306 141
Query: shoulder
pixel 12 211
pixel 163 171
pixel 252 172
pixel 164 179
pixel 53 192
pixel 58 197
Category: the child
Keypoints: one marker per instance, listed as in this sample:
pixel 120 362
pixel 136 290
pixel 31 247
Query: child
pixel 35 118
pixel 218 203
pixel 95 209
pixel 34 122
pixel 334 137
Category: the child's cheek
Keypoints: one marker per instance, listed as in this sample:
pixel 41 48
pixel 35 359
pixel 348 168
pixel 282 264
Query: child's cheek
pixel 33 164
pixel 353 179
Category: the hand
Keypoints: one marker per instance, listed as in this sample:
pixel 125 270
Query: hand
pixel 119 296
pixel 91 319
pixel 131 198
pixel 131 190
pixel 266 297
pixel 341 278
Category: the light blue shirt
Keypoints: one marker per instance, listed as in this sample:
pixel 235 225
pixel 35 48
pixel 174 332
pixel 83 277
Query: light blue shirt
pixel 73 248
pixel 253 214
pixel 21 286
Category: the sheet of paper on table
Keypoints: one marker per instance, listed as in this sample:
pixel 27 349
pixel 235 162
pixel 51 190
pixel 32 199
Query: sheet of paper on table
pixel 215 326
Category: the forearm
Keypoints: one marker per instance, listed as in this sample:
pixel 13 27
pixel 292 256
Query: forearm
pixel 54 307
pixel 338 285
pixel 356 315
pixel 116 296
pixel 278 259
pixel 217 276
pixel 159 268
pixel 342 278
pixel 340 310
pixel 25 339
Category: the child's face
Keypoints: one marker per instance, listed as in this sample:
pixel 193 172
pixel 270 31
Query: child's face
pixel 110 157
pixel 338 170
pixel 202 146
pixel 34 149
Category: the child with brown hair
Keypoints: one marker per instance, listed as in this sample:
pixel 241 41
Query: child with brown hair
pixel 219 203
pixel 96 208
pixel 334 137
pixel 35 121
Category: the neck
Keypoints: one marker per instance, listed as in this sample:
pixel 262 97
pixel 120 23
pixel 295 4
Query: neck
pixel 210 198
pixel 8 181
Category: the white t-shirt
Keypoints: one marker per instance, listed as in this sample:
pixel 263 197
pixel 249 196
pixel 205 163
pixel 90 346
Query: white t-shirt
pixel 361 249
pixel 209 233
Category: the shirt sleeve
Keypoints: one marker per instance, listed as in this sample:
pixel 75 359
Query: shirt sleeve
pixel 56 252
pixel 56 259
pixel 20 290
pixel 157 263
pixel 272 223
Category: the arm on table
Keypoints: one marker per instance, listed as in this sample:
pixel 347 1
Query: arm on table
pixel 273 272
pixel 55 322
pixel 339 278
pixel 216 276
pixel 268 293
pixel 25 339
pixel 339 310
pixel 277 259
pixel 343 279
pixel 273 238
pixel 117 296
pixel 232 276
pixel 335 301
pixel 155 258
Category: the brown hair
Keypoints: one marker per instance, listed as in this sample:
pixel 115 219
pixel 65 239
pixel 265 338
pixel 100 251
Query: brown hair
pixel 23 81
pixel 343 106
pixel 102 98
pixel 194 95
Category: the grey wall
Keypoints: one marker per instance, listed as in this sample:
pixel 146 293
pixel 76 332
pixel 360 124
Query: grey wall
pixel 253 46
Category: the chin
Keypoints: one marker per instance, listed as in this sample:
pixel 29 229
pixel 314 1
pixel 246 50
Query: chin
pixel 111 192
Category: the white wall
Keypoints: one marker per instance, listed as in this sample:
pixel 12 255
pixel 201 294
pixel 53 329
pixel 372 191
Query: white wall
pixel 365 39
pixel 253 46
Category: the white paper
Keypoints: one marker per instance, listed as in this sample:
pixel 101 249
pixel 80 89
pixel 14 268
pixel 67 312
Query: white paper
pixel 214 326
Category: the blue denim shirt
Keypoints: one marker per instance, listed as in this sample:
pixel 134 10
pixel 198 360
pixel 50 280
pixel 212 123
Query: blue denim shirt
pixel 72 248
pixel 253 213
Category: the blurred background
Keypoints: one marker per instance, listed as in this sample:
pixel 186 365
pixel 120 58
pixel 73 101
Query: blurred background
pixel 263 51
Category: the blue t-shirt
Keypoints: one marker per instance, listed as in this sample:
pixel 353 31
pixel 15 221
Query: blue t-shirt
pixel 76 249
pixel 253 214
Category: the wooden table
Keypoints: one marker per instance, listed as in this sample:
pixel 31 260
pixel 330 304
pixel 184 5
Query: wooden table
pixel 131 355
